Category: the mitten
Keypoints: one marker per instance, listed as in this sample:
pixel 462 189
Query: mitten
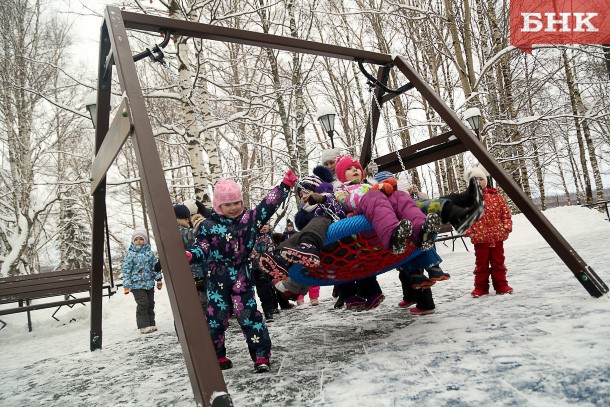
pixel 126 291
pixel 392 182
pixel 159 284
pixel 384 187
pixel 315 198
pixel 189 256
pixel 157 266
pixel 290 179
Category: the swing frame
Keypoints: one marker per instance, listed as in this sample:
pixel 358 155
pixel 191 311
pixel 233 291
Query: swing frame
pixel 132 120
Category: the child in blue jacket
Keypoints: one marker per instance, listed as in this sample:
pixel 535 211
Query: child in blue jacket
pixel 226 239
pixel 139 277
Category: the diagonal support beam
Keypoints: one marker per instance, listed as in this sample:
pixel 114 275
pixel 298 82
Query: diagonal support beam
pixel 583 273
pixel 204 371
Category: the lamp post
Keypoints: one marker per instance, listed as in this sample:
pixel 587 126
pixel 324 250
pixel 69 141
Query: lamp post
pixel 91 106
pixel 473 117
pixel 326 117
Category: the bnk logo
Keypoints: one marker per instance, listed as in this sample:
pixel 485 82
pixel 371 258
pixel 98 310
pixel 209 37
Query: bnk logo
pixel 558 22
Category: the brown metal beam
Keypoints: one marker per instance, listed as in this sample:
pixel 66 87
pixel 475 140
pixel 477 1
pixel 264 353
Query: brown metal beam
pixel 213 32
pixel 424 152
pixel 99 197
pixel 199 354
pixel 120 129
pixel 585 275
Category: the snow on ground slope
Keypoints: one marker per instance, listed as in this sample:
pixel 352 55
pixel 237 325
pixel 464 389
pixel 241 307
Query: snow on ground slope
pixel 548 344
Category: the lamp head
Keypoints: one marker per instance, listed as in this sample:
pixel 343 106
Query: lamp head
pixel 326 117
pixel 473 117
pixel 91 106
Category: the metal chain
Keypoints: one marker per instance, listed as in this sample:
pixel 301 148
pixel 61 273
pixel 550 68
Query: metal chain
pixel 390 132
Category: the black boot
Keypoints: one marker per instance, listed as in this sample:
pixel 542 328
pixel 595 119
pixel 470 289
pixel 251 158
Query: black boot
pixel 462 218
pixel 398 241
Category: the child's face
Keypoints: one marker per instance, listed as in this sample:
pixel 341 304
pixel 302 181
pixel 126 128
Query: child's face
pixel 353 173
pixel 265 229
pixel 331 164
pixel 184 222
pixel 232 209
pixel 304 195
pixel 482 182
pixel 138 241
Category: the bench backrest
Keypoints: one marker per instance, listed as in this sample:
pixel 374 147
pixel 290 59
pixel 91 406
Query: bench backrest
pixel 42 285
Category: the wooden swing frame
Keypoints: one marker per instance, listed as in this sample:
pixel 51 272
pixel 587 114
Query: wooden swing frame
pixel 132 120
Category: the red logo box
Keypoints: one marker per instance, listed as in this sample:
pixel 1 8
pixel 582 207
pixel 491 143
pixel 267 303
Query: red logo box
pixel 559 22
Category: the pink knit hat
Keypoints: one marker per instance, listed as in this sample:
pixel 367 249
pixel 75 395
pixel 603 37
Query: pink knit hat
pixel 342 166
pixel 226 191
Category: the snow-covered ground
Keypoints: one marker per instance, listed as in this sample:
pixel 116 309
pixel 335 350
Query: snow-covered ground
pixel 548 344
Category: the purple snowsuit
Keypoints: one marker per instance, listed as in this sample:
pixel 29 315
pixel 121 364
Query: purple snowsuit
pixel 227 244
pixel 385 212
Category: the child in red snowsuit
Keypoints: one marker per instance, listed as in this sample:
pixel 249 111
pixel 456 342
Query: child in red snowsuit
pixel 488 235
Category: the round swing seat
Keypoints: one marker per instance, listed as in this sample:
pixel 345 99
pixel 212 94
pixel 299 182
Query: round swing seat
pixel 352 251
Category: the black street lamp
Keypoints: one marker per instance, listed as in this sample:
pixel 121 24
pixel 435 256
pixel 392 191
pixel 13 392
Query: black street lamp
pixel 91 106
pixel 473 117
pixel 326 117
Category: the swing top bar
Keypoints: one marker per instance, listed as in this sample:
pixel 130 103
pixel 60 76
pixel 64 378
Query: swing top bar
pixel 212 32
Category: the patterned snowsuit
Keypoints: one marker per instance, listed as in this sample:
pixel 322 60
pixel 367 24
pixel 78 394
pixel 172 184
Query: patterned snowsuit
pixel 488 235
pixel 227 244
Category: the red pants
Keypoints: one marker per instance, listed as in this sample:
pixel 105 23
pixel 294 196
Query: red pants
pixel 490 261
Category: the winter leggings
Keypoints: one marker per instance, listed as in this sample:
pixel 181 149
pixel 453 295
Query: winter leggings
pixel 314 293
pixel 385 212
pixel 145 311
pixel 222 290
pixel 489 261
pixel 264 289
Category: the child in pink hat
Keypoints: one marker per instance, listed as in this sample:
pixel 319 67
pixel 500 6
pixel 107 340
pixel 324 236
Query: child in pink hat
pixel 226 240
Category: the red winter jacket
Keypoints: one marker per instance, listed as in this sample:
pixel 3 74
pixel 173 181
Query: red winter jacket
pixel 495 224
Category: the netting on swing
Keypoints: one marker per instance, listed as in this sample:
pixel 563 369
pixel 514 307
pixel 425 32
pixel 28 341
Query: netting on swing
pixel 352 250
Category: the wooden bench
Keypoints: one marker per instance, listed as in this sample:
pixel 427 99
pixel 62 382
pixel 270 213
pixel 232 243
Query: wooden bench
pixel 21 290
pixel 599 204
pixel 446 233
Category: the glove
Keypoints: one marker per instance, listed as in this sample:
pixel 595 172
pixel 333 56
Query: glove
pixel 157 267
pixel 290 179
pixel 315 198
pixel 189 256
pixel 384 187
pixel 126 291
pixel 159 284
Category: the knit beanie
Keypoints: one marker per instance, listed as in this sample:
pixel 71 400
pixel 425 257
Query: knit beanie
pixel 191 204
pixel 329 154
pixel 344 164
pixel 309 182
pixel 140 233
pixel 226 191
pixel 383 175
pixel 182 212
pixel 477 172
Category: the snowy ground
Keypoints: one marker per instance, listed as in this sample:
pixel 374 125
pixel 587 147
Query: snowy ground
pixel 548 344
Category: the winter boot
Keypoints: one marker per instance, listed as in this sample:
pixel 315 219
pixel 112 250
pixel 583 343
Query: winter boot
pixel 355 303
pixel 428 232
pixel 262 365
pixel 435 273
pixel 306 254
pixel 314 302
pixel 269 316
pixel 498 279
pixel 481 282
pixel 274 265
pixel 398 241
pixel 419 281
pixel 406 304
pixel 420 311
pixel 225 363
pixel 373 301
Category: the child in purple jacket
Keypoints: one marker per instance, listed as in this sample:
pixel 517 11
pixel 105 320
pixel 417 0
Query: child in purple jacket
pixel 226 239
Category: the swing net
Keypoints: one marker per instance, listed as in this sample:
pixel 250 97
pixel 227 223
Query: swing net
pixel 351 251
